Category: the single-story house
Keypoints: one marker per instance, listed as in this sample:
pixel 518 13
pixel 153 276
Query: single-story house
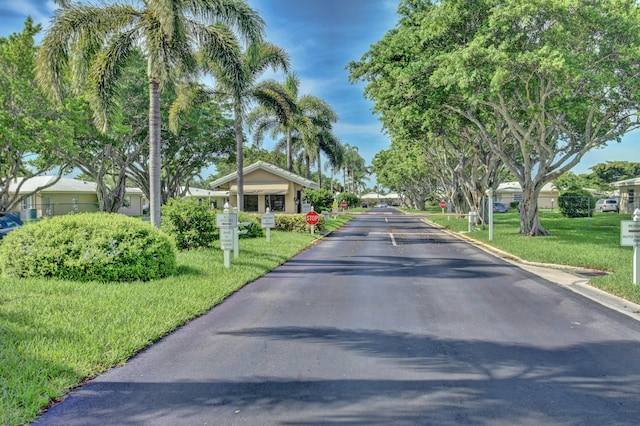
pixel 509 192
pixel 67 195
pixel 266 185
pixel 214 199
pixel 629 190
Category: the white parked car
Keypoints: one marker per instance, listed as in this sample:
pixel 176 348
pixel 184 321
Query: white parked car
pixel 607 205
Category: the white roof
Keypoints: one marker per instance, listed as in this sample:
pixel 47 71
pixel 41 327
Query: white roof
pixel 515 187
pixel 372 196
pixel 627 182
pixel 64 185
pixel 199 192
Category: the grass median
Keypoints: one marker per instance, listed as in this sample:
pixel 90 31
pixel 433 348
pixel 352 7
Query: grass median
pixel 54 334
pixel 592 243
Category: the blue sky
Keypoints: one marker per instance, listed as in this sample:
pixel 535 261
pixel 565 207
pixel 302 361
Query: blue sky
pixel 322 37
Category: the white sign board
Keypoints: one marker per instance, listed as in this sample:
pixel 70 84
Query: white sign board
pixel 226 238
pixel 306 207
pixel 268 220
pixel 629 233
pixel 227 220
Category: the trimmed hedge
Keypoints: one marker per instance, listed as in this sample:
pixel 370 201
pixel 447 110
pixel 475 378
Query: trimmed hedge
pixel 88 247
pixel 296 223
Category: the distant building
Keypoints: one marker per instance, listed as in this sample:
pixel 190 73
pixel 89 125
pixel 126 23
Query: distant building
pixel 509 192
pixel 266 185
pixel 629 194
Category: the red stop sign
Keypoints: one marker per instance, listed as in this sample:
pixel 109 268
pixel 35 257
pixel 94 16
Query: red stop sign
pixel 312 218
pixel 343 204
pixel 442 204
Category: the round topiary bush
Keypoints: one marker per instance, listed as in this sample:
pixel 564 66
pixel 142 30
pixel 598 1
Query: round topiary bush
pixel 576 203
pixel 88 247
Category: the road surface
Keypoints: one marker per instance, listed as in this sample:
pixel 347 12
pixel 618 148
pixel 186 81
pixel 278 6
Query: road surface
pixel 386 321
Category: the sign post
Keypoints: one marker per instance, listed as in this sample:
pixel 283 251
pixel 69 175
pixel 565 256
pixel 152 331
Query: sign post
pixel 630 236
pixel 343 204
pixel 312 219
pixel 490 194
pixel 268 221
pixel 226 222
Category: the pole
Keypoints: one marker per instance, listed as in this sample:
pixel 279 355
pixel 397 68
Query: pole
pixel 236 238
pixel 636 251
pixel 490 214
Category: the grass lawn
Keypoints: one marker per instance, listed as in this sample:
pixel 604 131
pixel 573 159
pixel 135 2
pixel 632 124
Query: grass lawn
pixel 54 334
pixel 592 243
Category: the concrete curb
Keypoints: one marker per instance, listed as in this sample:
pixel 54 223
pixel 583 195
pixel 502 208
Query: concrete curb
pixel 571 277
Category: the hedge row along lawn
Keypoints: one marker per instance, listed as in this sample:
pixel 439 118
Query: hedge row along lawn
pixel 55 333
pixel 592 243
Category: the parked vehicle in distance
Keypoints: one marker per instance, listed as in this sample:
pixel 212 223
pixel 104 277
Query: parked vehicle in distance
pixel 9 222
pixel 365 204
pixel 500 208
pixel 395 204
pixel 607 205
pixel 383 205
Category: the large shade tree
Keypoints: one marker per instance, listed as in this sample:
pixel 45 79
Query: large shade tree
pixel 543 81
pixel 96 40
pixel 32 131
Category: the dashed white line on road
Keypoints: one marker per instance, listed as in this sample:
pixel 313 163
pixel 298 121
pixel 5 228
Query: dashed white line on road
pixel 393 240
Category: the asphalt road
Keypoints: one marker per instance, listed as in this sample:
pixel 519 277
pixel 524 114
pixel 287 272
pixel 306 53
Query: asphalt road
pixel 386 321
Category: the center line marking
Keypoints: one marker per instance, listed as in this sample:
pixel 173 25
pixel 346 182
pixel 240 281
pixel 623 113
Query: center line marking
pixel 393 240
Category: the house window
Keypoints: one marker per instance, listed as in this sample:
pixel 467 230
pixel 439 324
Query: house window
pixel 274 202
pixel 76 206
pixel 48 208
pixel 251 203
pixel 631 197
pixel 27 203
pixel 517 197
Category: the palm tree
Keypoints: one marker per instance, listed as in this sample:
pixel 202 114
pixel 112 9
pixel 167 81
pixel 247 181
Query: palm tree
pixel 317 118
pixel 243 88
pixel 97 41
pixel 280 117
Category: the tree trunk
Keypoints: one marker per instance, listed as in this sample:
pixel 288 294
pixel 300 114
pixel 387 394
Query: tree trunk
pixel 529 220
pixel 307 166
pixel 319 171
pixel 154 152
pixel 289 151
pixel 240 156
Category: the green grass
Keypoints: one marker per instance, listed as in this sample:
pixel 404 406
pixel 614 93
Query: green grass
pixel 54 334
pixel 581 242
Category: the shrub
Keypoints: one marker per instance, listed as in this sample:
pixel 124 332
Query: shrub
pixel 320 199
pixel 352 199
pixel 191 224
pixel 88 247
pixel 254 228
pixel 576 203
pixel 296 223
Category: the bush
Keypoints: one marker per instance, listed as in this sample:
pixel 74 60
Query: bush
pixel 191 224
pixel 320 199
pixel 576 203
pixel 255 226
pixel 296 223
pixel 88 247
pixel 352 199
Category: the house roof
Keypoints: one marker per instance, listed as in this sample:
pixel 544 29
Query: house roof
pixel 199 192
pixel 515 187
pixel 63 185
pixel 284 174
pixel 627 182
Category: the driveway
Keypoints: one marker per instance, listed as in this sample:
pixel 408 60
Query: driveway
pixel 386 321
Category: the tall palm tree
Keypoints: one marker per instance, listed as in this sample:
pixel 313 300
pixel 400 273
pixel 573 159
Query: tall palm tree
pixel 244 88
pixel 97 40
pixel 318 118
